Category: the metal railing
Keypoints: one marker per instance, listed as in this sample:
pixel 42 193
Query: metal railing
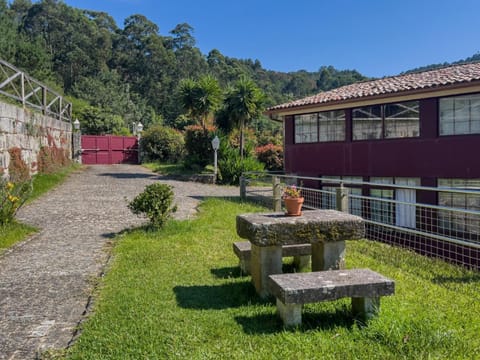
pixel 402 215
pixel 17 85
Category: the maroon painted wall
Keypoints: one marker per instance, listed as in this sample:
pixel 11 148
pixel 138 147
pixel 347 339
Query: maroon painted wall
pixel 428 156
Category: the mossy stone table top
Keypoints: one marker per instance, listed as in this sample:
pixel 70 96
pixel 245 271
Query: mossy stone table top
pixel 313 226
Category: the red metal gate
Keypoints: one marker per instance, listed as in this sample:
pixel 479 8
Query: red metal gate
pixel 109 149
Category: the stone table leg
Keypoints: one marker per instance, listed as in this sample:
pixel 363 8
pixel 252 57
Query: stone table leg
pixel 265 260
pixel 291 314
pixel 328 256
pixel 301 261
pixel 366 307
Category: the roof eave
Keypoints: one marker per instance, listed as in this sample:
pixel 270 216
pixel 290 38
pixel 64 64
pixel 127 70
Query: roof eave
pixel 436 91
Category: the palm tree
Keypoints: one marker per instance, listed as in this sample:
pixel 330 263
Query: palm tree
pixel 243 103
pixel 200 98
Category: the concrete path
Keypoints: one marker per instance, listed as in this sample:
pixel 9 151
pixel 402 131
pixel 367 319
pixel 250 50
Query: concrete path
pixel 45 282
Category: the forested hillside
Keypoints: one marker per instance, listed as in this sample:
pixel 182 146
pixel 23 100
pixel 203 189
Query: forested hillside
pixel 119 75
pixel 471 59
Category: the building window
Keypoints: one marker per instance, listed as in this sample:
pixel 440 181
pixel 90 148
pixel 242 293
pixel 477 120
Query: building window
pixel 331 126
pixel 320 127
pixel 402 120
pixel 306 128
pixel 453 222
pixel 389 121
pixel 397 209
pixel 380 210
pixel 367 123
pixel 460 115
pixel 354 194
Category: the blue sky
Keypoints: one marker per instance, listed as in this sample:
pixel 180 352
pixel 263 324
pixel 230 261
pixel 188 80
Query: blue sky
pixel 376 37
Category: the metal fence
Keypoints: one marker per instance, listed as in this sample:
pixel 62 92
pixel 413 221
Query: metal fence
pixel 16 85
pixel 440 222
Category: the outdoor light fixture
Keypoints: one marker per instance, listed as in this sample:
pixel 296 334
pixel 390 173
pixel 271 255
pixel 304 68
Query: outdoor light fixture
pixel 139 127
pixel 76 124
pixel 215 146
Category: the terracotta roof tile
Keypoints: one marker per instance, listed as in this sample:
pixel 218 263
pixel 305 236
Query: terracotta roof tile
pixel 391 85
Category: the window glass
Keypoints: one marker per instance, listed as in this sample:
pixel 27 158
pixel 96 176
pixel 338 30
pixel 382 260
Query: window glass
pixel 382 211
pixel 367 123
pixel 460 115
pixel 306 128
pixel 332 125
pixel 355 193
pixel 398 120
pixel 402 120
pixel 451 222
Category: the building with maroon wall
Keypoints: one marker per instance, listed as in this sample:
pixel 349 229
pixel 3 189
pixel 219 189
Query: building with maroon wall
pixel 422 125
pixel 419 129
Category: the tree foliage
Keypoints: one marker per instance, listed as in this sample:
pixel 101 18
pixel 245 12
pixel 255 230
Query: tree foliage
pixel 243 103
pixel 134 72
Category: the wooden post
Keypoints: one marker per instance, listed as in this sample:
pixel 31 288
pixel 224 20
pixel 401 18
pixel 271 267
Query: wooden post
pixel 342 199
pixel 277 194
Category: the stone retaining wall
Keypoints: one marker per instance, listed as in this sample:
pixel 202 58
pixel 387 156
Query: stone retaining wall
pixel 30 131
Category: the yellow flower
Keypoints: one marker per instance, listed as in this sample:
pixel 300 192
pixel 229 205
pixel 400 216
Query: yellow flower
pixel 10 185
pixel 13 199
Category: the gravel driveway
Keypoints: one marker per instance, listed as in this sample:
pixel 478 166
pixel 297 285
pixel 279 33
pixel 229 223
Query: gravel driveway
pixel 45 281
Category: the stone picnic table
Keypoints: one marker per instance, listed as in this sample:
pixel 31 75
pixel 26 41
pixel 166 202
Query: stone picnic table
pixel 325 230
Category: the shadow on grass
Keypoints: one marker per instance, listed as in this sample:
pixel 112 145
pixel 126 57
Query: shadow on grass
pixel 231 198
pixel 318 320
pixel 231 272
pixel 205 297
pixel 461 279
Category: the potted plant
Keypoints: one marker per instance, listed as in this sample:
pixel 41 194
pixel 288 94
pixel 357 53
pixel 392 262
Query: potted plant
pixel 293 199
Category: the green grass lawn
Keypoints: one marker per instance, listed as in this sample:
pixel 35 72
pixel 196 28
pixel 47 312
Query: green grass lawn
pixel 178 294
pixel 14 232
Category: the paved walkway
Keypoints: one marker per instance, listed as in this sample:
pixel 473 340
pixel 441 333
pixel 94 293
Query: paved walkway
pixel 45 282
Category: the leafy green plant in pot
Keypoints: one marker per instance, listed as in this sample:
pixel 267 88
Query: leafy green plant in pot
pixel 293 199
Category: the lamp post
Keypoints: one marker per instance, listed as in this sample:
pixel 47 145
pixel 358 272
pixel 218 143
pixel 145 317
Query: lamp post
pixel 138 130
pixel 77 142
pixel 215 146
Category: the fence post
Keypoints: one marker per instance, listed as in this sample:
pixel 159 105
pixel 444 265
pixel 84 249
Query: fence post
pixel 243 188
pixel 277 194
pixel 342 198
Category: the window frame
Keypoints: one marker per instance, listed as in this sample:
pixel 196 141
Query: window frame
pixel 329 123
pixel 471 123
pixel 383 121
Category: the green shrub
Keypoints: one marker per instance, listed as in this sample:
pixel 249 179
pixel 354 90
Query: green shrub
pixel 12 197
pixel 162 143
pixel 156 203
pixel 198 142
pixel 231 166
pixel 271 155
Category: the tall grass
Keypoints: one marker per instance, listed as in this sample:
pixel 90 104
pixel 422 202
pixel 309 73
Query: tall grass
pixel 178 294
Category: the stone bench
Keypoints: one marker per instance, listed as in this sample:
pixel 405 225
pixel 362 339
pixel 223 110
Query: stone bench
pixel 300 252
pixel 364 286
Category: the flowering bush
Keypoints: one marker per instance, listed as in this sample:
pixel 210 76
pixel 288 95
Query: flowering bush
pixel 271 155
pixel 12 197
pixel 291 191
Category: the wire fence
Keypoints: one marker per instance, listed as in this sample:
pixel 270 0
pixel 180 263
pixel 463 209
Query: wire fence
pixel 440 222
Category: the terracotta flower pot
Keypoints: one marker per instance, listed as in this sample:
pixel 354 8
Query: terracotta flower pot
pixel 293 206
